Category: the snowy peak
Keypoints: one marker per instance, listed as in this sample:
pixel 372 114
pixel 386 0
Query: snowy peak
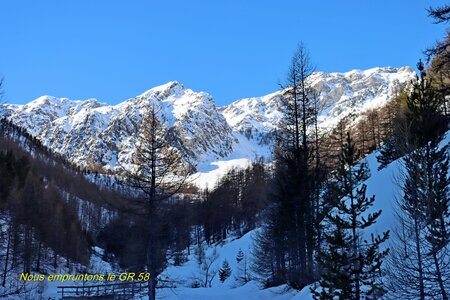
pixel 103 137
pixel 340 95
pixel 175 97
pixel 164 90
pixel 60 105
pixel 37 114
pixel 354 92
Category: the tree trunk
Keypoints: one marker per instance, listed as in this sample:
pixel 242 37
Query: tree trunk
pixel 297 129
pixel 7 257
pixel 419 262
pixel 151 268
pixel 27 250
pixel 38 259
pixel 356 263
pixel 152 287
pixel 439 277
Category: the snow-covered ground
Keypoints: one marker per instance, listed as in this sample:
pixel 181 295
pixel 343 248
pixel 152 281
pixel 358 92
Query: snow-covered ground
pixel 212 170
pixel 191 272
pixel 384 184
pixel 215 170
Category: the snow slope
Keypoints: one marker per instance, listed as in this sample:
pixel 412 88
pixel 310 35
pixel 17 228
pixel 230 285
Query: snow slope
pixel 187 274
pixel 384 184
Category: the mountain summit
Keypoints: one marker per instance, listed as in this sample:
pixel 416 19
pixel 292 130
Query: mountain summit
pixel 100 136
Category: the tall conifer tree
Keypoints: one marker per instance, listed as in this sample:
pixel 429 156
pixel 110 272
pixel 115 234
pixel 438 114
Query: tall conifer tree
pixel 350 262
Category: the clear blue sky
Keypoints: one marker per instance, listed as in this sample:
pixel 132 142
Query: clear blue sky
pixel 115 50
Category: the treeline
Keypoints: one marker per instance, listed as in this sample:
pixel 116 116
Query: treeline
pixel 232 208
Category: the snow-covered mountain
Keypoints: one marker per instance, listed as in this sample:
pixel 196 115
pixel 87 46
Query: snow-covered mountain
pixel 97 135
pixel 340 94
pixel 90 133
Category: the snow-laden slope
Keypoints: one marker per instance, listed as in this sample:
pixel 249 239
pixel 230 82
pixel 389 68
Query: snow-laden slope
pixel 103 137
pixel 191 272
pixel 384 184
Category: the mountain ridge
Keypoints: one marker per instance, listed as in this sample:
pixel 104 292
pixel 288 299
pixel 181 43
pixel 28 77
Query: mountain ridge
pixel 96 135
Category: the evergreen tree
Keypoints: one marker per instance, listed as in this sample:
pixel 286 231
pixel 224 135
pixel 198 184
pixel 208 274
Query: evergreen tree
pixel 440 14
pixel 388 153
pixel 424 115
pixel 224 271
pixel 349 264
pixel 293 215
pixel 240 256
pixel 438 212
pixel 439 54
pixel 242 276
pixel 427 183
pixel 268 263
pixel 419 265
pixel 335 264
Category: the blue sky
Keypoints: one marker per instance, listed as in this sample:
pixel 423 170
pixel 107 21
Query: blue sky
pixel 115 50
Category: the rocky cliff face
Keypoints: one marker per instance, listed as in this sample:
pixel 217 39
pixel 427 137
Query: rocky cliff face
pixel 94 134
